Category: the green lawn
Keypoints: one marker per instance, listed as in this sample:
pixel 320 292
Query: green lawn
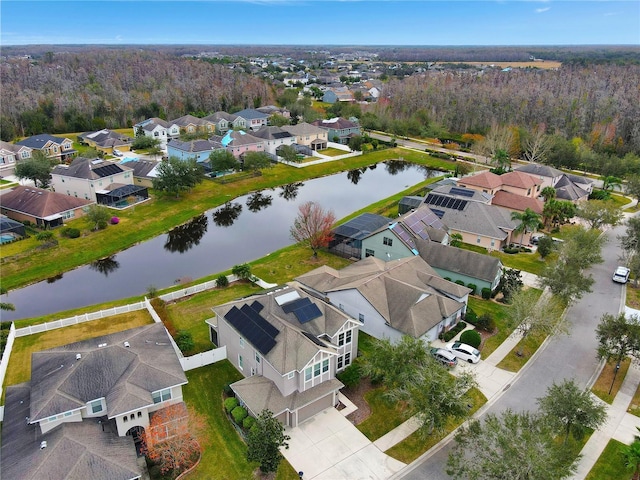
pixel 610 464
pixel 224 452
pixel 499 313
pixel 24 262
pixel 332 152
pixel 385 415
pixel 606 380
pixel 522 352
pixel 527 262
pixel 416 444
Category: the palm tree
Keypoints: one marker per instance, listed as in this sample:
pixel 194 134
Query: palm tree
pixel 529 221
pixel 631 455
pixel 549 193
pixel 610 182
pixel 455 240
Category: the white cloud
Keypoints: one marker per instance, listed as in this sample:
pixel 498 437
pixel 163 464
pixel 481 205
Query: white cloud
pixel 542 10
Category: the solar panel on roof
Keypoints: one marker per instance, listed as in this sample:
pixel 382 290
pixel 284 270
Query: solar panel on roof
pixel 463 192
pixel 314 339
pixel 259 320
pixel 456 204
pixel 257 306
pixel 249 329
pixel 439 213
pixel 298 303
pixel 307 313
pixel 399 230
pixel 107 170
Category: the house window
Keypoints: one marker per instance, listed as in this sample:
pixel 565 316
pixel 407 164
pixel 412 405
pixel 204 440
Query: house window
pixel 63 181
pixel 316 370
pixel 257 358
pixel 307 374
pixel 290 375
pixel 96 406
pixel 139 414
pixel 493 243
pixel 361 317
pixel 348 337
pixel 347 359
pixel 478 240
pixel 368 252
pixel 132 416
pixel 325 366
pixel 387 241
pixel 340 360
pixel 341 307
pixel 240 362
pixel 161 396
pixel 241 342
pixel 341 339
pixel 125 419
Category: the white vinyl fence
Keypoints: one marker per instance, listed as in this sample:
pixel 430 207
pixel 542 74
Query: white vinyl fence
pixel 4 363
pixel 204 358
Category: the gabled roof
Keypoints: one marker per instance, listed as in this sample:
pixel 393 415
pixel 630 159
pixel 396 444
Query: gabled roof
pixel 418 223
pixel 484 179
pixel 292 349
pixel 237 138
pixel 74 451
pixel 304 129
pixel 217 116
pixel 151 123
pixel 90 169
pixel 40 141
pixel 186 120
pixel 251 114
pixel 124 375
pixel 578 179
pixel 142 168
pixel 336 123
pixel 458 260
pixel 195 146
pixel 539 170
pixel 12 147
pixel 106 138
pixel 407 293
pixel 272 133
pixel 520 180
pixel 40 203
pixel 463 193
pixel 513 201
pixel 567 190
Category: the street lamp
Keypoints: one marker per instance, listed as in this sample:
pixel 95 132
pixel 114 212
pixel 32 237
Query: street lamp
pixel 614 376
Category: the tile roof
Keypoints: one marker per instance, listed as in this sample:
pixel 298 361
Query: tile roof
pixel 484 179
pixel 519 180
pixel 40 203
pixel 513 201
pixel 125 376
pixel 89 169
pixel 74 451
pixel 458 260
pixel 407 293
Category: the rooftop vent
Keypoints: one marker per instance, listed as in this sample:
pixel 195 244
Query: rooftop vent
pixel 100 345
pixel 43 445
pixel 78 356
pixel 127 344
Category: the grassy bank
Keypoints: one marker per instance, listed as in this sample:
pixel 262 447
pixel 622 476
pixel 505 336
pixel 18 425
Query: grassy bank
pixel 29 261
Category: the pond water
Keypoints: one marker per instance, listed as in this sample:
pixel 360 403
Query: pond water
pixel 246 228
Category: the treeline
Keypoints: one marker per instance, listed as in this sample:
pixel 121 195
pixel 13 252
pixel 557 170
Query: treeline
pixel 72 92
pixel 598 104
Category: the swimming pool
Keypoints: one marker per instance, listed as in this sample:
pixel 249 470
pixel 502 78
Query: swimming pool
pixel 6 238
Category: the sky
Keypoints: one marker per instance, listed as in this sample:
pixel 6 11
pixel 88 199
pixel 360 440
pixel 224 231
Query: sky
pixel 321 22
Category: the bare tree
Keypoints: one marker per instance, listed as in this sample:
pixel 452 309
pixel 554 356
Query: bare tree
pixel 312 226
pixel 536 145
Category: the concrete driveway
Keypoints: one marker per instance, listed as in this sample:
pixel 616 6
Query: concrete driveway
pixel 330 447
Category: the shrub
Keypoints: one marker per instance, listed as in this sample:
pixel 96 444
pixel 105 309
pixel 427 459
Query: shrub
pixel 43 236
pixel 486 293
pixel 454 331
pixel 230 403
pixel 239 413
pixel 486 322
pixel 511 250
pixel 242 271
pixel 70 232
pixel 471 337
pixel 460 282
pixel 473 288
pixel 102 224
pixel 152 291
pixel 184 340
pixel 228 391
pixel 600 195
pixel 115 220
pixel 248 422
pixel 471 316
pixel 351 375
pixel 222 281
pixel 448 279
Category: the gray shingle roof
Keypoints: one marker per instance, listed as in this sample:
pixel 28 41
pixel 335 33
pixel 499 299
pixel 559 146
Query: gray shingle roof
pixel 121 374
pixel 40 203
pixel 540 170
pixel 251 114
pixel 568 190
pixel 75 451
pixel 304 129
pixel 272 133
pixel 89 168
pixel 458 260
pixel 196 146
pixel 39 141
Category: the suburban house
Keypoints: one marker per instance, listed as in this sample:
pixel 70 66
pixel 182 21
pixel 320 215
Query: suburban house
pixel 253 118
pixel 86 404
pixel 273 110
pixel 42 208
pixel 289 345
pixel 11 153
pixel 107 183
pixel 397 238
pixel 274 137
pixel 568 190
pixel 238 142
pixel 518 183
pixel 392 299
pixel 60 149
pixel 337 94
pixel 517 203
pixel 564 183
pixel 191 125
pixel 483 271
pixel 224 122
pixel 347 237
pixel 144 171
pixel 158 129
pixel 193 149
pixel 479 224
pixel 340 130
pixel 308 135
pixel 106 141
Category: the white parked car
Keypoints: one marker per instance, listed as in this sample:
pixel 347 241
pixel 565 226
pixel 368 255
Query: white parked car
pixel 117 153
pixel 464 352
pixel 621 275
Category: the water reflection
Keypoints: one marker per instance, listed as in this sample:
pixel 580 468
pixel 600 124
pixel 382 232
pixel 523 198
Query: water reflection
pixel 290 191
pixel 227 214
pixel 394 167
pixel 54 278
pixel 356 174
pixel 105 265
pixel 257 201
pixel 184 237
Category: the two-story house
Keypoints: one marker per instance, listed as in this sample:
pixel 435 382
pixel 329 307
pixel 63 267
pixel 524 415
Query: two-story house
pixel 102 181
pixel 10 154
pixel 193 149
pixel 106 141
pixel 157 129
pixel 308 135
pixel 274 137
pixel 254 119
pixel 60 149
pixel 87 403
pixel 569 187
pixel 238 142
pixel 224 122
pixel 392 299
pixel 339 130
pixel 289 345
pixel 193 125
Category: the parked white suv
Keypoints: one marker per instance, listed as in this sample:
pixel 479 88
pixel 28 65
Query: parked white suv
pixel 464 352
pixel 621 275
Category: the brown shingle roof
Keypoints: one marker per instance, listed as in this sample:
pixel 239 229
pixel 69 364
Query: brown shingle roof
pixel 40 203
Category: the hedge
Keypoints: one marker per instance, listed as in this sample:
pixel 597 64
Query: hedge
pixel 473 288
pixel 239 413
pixel 248 422
pixel 230 403
pixel 486 293
pixel 446 336
pixel 471 337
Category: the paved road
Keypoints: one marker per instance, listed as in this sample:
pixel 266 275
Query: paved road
pixel 566 356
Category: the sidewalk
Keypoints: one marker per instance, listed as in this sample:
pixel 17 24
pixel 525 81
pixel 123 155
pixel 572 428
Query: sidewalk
pixel 620 424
